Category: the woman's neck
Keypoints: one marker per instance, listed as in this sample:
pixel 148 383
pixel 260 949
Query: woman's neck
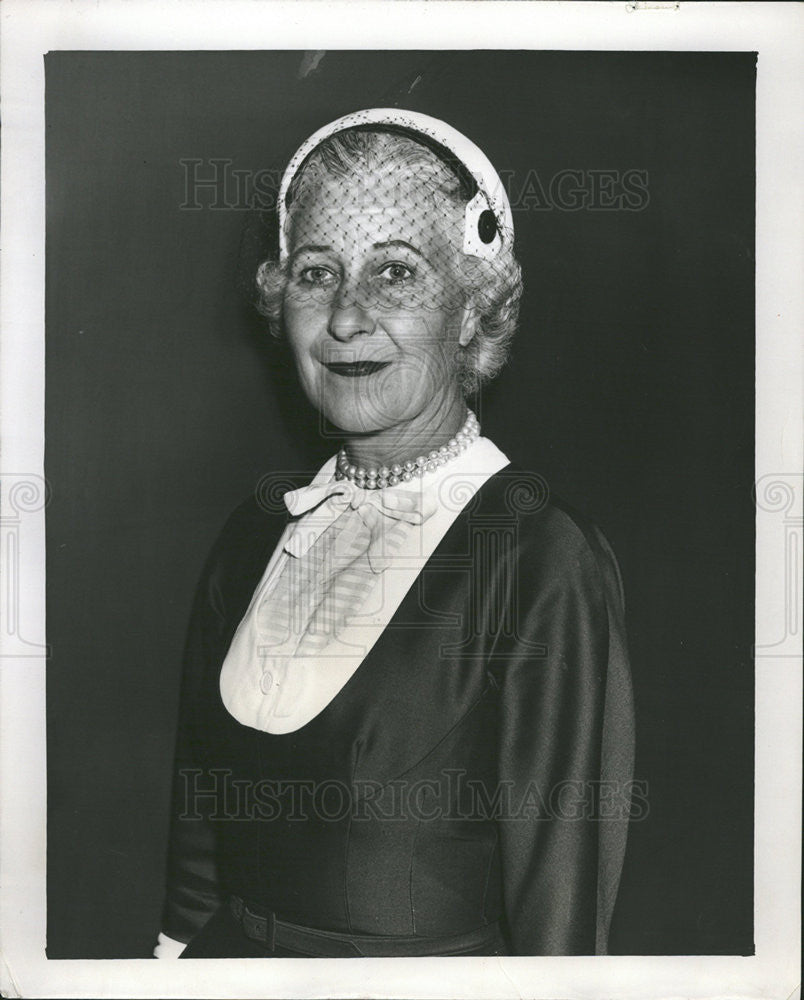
pixel 406 441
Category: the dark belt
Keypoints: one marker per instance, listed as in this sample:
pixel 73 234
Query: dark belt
pixel 274 933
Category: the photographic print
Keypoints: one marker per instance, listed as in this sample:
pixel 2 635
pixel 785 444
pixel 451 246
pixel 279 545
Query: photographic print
pixel 482 702
pixel 400 498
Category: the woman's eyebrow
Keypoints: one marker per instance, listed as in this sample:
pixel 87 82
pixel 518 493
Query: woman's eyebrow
pixel 310 248
pixel 398 243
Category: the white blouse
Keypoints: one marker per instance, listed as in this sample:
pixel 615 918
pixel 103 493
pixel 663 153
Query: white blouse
pixel 318 610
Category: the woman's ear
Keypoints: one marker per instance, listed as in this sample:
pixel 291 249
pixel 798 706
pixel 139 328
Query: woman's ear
pixel 468 327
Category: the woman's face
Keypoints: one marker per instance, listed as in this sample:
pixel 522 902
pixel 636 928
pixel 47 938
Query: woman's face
pixel 371 312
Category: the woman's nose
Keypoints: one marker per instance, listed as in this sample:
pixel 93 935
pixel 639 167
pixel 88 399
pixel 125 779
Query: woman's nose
pixel 349 315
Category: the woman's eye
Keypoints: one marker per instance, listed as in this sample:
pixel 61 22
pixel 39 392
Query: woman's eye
pixel 396 273
pixel 316 275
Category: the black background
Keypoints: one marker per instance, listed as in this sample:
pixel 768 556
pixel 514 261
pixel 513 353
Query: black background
pixel 630 391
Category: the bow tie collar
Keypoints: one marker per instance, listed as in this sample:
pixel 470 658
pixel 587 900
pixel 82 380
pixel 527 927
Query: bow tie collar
pixel 376 508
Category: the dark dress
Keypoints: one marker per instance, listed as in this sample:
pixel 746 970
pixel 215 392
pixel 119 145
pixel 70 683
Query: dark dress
pixel 475 768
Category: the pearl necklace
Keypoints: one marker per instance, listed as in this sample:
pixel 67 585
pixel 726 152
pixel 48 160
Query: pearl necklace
pixel 377 479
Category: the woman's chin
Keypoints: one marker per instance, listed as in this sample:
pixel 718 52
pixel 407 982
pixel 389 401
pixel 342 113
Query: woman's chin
pixel 363 415
pixel 353 421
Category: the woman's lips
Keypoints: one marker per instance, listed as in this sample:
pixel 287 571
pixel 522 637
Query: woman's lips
pixel 355 369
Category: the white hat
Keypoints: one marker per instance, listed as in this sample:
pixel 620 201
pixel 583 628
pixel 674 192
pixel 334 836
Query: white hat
pixel 488 222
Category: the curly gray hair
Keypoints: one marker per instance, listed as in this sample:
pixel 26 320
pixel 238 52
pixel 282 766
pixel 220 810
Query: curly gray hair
pixel 492 289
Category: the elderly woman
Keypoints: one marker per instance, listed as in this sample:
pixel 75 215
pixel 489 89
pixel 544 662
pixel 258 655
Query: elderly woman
pixel 406 722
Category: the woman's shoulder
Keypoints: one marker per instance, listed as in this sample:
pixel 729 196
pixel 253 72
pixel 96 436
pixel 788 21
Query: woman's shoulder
pixel 262 511
pixel 241 550
pixel 251 529
pixel 553 539
pixel 246 522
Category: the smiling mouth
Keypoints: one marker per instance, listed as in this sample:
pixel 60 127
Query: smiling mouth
pixel 355 369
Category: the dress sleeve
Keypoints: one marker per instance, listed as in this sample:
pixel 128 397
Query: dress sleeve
pixel 192 877
pixel 566 742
